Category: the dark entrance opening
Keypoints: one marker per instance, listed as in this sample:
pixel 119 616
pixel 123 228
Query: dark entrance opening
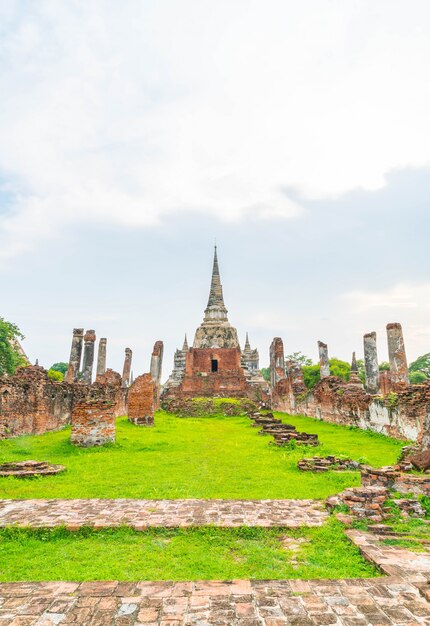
pixel 214 365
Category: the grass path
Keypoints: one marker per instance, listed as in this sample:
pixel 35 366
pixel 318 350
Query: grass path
pixel 213 457
pixel 185 554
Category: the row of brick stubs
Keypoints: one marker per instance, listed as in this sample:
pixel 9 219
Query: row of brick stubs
pixel 283 434
pixel 323 464
pixel 362 502
pixel 93 423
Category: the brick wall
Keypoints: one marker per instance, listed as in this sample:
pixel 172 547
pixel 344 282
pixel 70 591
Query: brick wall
pixel 404 414
pixel 32 403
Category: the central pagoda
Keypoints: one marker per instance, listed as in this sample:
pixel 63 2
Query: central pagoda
pixel 216 331
pixel 215 365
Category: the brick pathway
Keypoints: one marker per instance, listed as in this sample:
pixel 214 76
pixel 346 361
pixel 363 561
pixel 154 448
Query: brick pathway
pixel 166 513
pixel 390 602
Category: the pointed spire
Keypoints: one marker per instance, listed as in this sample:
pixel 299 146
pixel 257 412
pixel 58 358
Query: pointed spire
pixel 354 367
pixel 215 310
pixel 215 296
pixel 185 346
pixel 247 344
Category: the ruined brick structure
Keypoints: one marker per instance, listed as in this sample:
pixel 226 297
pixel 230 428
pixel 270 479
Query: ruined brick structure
pixel 277 361
pixel 142 398
pixel 405 414
pixel 32 403
pixel 215 365
pixel 388 404
pixel 93 423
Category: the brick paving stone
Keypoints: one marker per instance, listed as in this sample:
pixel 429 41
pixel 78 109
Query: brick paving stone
pixel 211 603
pixel 142 514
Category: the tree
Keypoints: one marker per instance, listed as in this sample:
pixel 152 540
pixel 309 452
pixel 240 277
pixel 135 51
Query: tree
pixel 312 375
pixel 265 372
pixel 361 370
pixel 384 366
pixel 415 378
pixel 55 375
pixel 60 367
pixel 10 356
pixel 339 368
pixel 299 357
pixel 421 364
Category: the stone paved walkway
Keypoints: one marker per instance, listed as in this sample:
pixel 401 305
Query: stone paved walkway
pixel 377 602
pixel 141 514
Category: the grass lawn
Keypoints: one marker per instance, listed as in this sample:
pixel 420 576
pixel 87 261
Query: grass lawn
pixel 184 554
pixel 210 457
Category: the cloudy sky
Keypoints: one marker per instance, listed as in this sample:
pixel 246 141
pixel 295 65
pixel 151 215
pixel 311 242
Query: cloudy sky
pixel 135 133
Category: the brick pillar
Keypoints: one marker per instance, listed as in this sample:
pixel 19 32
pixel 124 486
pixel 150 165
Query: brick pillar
pixel 87 365
pixel 101 358
pixel 397 354
pixel 141 401
pixel 371 363
pixel 93 423
pixel 323 356
pixel 156 367
pixel 127 367
pixel 277 361
pixel 75 355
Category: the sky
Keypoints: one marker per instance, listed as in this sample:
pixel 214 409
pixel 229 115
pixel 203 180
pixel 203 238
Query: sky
pixel 134 134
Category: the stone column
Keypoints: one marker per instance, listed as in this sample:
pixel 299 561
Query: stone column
pixel 101 357
pixel 75 355
pixel 323 355
pixel 87 365
pixel 155 369
pixel 397 354
pixel 277 361
pixel 371 363
pixel 127 367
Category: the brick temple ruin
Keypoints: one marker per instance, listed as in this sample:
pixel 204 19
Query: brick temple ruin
pixel 32 403
pixel 215 365
pixel 385 403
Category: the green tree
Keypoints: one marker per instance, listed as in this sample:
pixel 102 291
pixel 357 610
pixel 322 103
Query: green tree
pixel 299 357
pixel 384 366
pixel 339 368
pixel 265 372
pixel 55 375
pixel 60 367
pixel 10 357
pixel 421 364
pixel 311 373
pixel 415 378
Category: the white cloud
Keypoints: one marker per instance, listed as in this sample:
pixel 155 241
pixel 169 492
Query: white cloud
pixel 128 112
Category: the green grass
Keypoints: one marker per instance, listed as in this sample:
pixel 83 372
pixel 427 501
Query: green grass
pixel 210 457
pixel 206 553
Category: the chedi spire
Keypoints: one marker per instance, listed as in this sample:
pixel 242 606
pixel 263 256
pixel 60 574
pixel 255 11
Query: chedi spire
pixel 215 310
